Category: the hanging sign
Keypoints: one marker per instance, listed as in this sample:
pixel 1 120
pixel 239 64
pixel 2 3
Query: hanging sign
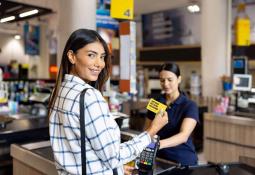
pixel 122 9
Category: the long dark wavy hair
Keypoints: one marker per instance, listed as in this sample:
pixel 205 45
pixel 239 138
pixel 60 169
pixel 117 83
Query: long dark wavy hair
pixel 77 40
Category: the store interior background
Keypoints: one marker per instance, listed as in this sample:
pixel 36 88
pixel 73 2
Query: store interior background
pixel 12 49
pixel 212 34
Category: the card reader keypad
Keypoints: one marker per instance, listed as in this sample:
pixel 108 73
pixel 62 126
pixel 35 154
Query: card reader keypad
pixel 147 156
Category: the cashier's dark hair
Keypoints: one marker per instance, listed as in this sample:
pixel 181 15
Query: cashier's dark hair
pixel 77 40
pixel 172 67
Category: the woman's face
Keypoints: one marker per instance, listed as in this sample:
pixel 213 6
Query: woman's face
pixel 88 62
pixel 169 81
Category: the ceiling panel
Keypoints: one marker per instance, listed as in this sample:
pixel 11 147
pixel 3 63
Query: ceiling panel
pixel 12 8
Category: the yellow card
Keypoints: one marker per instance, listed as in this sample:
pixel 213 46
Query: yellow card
pixel 155 106
pixel 123 9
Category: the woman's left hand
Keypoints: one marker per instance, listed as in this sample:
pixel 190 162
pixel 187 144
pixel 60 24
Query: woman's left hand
pixel 128 169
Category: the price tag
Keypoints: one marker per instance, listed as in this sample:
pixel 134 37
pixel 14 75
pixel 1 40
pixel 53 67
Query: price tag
pixel 122 9
pixel 155 106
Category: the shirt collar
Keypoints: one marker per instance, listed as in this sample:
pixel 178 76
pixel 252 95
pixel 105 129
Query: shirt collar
pixel 73 78
pixel 179 100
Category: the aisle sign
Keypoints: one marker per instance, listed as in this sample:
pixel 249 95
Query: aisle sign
pixel 122 9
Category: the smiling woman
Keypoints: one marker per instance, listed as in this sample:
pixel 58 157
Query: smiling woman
pixel 88 62
pixel 85 65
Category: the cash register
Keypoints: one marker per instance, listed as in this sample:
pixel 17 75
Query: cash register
pixel 245 94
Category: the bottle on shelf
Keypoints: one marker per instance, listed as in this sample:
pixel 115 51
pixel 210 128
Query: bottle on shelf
pixel 195 84
pixel 242 26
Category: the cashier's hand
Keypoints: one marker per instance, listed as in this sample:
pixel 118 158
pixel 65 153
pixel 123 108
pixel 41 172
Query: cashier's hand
pixel 160 120
pixel 128 169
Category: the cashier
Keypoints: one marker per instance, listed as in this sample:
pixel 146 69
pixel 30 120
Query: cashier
pixel 175 137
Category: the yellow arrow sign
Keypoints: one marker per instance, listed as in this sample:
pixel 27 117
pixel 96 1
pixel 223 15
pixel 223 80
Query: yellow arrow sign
pixel 122 9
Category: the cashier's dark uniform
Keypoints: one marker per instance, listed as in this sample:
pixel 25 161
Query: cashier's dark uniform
pixel 181 108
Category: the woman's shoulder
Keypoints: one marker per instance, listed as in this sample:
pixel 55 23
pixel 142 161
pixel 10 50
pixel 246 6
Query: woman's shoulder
pixel 188 102
pixel 94 95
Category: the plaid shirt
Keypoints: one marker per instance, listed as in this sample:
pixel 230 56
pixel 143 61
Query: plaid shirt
pixel 104 151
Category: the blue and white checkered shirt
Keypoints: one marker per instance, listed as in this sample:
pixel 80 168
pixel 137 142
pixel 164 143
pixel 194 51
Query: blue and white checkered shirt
pixel 104 152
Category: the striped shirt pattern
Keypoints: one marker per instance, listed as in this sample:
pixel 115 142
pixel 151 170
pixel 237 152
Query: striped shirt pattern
pixel 104 151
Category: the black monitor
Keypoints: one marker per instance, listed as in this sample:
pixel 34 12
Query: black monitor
pixel 239 65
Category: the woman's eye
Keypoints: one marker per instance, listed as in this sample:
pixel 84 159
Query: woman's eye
pixel 102 57
pixel 163 80
pixel 92 55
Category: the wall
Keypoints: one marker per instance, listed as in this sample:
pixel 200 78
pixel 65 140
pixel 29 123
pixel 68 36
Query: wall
pixel 11 49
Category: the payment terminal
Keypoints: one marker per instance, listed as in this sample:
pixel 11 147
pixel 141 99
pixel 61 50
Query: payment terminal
pixel 148 155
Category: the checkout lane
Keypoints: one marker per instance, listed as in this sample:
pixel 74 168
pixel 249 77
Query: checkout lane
pixel 36 128
pixel 29 128
pixel 38 158
pixel 19 131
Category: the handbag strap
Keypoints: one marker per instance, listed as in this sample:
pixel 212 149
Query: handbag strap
pixel 82 130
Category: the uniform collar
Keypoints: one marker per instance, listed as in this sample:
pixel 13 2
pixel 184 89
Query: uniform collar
pixel 179 100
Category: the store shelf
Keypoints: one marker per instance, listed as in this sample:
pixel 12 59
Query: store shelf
pixel 185 53
pixel 171 53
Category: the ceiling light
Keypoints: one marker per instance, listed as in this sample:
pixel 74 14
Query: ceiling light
pixel 28 13
pixel 194 8
pixel 17 37
pixel 10 18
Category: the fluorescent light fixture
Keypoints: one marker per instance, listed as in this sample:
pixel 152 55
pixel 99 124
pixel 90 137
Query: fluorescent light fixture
pixel 28 13
pixel 194 8
pixel 17 37
pixel 10 18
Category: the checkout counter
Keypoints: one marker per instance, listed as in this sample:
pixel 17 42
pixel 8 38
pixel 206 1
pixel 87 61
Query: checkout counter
pixel 227 137
pixel 22 130
pixel 37 158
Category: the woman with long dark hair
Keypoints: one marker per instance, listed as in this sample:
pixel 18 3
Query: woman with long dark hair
pixel 86 64
pixel 176 143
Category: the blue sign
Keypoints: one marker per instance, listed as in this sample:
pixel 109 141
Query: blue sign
pixel 32 39
pixel 103 20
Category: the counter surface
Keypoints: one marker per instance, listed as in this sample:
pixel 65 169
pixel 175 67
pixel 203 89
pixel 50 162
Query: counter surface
pixel 227 137
pixel 39 156
pixel 22 128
